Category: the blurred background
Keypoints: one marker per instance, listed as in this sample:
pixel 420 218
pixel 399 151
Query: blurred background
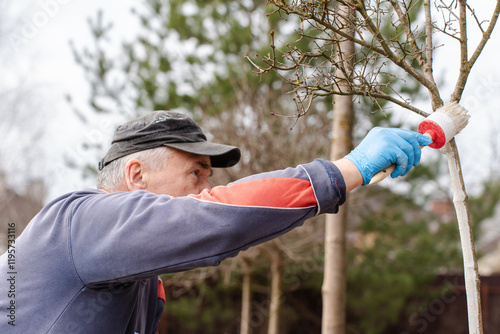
pixel 72 70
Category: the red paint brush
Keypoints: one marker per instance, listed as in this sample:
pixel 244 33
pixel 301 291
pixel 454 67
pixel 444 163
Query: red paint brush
pixel 442 125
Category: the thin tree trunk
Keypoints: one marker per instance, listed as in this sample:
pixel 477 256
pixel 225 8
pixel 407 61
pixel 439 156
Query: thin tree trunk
pixel 276 291
pixel 334 282
pixel 246 299
pixel 471 273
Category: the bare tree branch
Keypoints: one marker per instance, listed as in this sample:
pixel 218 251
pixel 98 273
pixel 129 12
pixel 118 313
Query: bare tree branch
pixel 401 62
pixel 467 64
pixel 401 49
pixel 473 13
pixel 428 41
pixel 409 33
pixel 464 65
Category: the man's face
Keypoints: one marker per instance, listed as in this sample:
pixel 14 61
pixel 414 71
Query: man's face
pixel 184 174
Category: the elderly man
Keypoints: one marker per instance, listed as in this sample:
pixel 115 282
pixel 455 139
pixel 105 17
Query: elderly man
pixel 89 261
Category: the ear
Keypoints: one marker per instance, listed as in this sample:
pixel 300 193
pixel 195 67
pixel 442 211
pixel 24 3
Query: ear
pixel 135 175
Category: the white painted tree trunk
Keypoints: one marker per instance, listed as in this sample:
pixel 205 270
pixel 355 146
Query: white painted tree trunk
pixel 471 273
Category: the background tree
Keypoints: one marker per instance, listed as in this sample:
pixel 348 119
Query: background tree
pixel 334 282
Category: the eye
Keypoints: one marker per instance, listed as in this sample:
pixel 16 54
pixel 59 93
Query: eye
pixel 196 172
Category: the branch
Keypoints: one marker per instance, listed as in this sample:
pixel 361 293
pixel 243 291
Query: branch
pixel 409 33
pixel 319 17
pixel 468 64
pixel 428 40
pixel 372 95
pixel 447 21
pixel 383 50
pixel 397 102
pixel 464 65
pixel 436 101
pixel 473 13
pixel 431 86
pixel 486 35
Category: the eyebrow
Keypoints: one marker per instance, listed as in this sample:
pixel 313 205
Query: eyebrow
pixel 205 166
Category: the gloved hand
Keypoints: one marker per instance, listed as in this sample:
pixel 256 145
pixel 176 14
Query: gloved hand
pixel 384 146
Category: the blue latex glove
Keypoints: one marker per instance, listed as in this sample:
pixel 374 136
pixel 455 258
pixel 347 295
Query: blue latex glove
pixel 384 146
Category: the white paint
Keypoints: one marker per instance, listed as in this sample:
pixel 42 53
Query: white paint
pixel 471 272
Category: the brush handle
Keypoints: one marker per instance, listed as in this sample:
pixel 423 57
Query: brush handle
pixel 382 174
pixel 387 171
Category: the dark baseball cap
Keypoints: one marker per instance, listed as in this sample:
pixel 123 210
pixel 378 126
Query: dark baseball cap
pixel 167 128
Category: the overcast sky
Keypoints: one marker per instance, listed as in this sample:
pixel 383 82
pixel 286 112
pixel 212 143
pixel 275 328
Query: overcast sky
pixel 39 63
pixel 35 54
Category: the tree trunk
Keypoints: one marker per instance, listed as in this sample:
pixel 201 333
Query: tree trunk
pixel 471 273
pixel 246 299
pixel 276 290
pixel 334 283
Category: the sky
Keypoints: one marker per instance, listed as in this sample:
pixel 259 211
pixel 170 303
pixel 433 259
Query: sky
pixel 39 70
pixel 38 61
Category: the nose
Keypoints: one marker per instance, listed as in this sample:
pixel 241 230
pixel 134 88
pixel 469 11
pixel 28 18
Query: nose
pixel 206 185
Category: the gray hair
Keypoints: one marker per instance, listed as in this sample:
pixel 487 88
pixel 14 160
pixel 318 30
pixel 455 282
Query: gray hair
pixel 111 176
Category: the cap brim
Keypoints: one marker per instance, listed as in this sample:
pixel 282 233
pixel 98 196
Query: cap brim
pixel 221 155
